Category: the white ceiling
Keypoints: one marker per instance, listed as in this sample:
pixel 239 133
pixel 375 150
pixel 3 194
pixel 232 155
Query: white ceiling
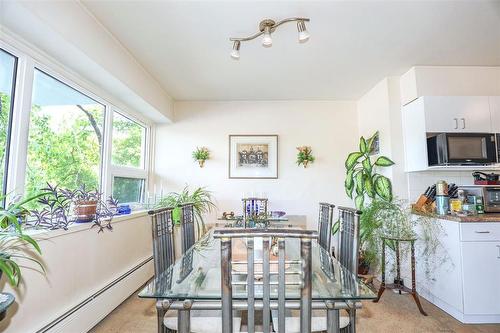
pixel 354 44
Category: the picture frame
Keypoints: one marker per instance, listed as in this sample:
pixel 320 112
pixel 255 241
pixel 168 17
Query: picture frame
pixel 253 156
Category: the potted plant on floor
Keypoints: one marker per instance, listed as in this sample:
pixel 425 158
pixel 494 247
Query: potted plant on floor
pixel 15 245
pixel 202 203
pixel 365 184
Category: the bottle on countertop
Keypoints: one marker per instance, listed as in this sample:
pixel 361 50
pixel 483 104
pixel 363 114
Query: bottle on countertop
pixel 479 205
pixel 442 198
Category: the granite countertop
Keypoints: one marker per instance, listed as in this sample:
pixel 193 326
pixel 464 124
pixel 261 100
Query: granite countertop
pixel 488 217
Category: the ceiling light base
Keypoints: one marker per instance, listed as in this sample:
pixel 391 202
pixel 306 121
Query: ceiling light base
pixel 267 23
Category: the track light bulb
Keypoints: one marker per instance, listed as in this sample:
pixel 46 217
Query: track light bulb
pixel 235 53
pixel 267 41
pixel 303 34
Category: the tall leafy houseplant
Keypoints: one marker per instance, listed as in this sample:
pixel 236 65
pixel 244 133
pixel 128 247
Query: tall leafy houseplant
pixel 366 186
pixel 202 203
pixel 13 241
pixel 362 179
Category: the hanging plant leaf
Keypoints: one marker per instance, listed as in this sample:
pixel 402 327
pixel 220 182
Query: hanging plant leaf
pixel 371 140
pixel 360 178
pixel 362 145
pixel 370 191
pixel 384 161
pixel 359 201
pixel 367 165
pixel 383 187
pixel 352 159
pixel 349 183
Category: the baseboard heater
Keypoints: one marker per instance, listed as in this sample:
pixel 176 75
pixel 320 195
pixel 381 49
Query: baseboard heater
pixel 80 305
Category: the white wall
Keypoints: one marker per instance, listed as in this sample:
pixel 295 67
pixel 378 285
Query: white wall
pixel 79 262
pixel 330 128
pixel 380 110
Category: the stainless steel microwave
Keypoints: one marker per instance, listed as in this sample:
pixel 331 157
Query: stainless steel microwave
pixel 461 149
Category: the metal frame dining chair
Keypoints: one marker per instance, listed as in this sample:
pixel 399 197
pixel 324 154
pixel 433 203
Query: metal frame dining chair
pixel 267 304
pixel 348 251
pixel 253 208
pixel 188 236
pixel 347 255
pixel 325 219
pixel 163 251
pixel 199 321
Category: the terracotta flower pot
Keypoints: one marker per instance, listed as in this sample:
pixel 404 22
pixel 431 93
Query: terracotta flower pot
pixel 85 210
pixel 201 163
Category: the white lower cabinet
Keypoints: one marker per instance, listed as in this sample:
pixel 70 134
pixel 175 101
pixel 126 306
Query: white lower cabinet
pixel 466 284
pixel 481 272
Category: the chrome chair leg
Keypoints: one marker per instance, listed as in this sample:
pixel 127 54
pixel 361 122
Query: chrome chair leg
pixel 332 318
pixel 184 318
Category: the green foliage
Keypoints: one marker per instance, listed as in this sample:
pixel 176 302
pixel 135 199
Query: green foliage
pixel 201 199
pixel 127 142
pixel 13 241
pixel 201 154
pixel 304 155
pixel 395 219
pixel 361 178
pixel 63 153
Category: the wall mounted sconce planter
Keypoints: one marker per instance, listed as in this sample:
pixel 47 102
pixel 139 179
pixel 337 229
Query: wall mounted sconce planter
pixel 201 154
pixel 304 156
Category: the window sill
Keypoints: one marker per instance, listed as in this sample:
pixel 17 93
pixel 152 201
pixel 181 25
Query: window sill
pixel 78 227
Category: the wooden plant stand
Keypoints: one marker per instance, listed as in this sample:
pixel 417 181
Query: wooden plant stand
pixel 398 285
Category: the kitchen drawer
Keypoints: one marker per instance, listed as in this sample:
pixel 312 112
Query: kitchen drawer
pixel 477 232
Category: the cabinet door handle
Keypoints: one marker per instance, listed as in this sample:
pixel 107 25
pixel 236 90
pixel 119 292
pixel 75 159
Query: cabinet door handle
pixel 483 232
pixel 463 123
pixel 456 123
pixel 498 247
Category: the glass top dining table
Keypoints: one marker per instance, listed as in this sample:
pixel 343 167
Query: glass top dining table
pixel 197 275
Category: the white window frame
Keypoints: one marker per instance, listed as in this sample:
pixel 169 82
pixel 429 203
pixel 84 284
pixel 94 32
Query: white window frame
pixel 126 171
pixel 29 58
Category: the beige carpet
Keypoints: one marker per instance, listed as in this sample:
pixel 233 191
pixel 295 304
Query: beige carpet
pixel 393 314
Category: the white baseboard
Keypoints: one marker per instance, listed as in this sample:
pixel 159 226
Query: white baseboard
pixel 98 307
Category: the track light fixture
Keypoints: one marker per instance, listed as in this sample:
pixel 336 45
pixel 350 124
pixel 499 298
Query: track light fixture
pixel 266 28
pixel 235 53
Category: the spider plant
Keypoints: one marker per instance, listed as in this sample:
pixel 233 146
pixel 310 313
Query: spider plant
pixel 202 202
pixel 14 243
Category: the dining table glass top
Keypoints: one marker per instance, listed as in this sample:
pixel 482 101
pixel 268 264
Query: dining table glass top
pixel 197 274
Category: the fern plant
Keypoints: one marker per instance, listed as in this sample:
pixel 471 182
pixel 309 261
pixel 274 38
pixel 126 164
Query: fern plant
pixel 362 179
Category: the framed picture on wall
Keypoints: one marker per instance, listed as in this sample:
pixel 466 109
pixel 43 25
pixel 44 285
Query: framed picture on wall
pixel 253 156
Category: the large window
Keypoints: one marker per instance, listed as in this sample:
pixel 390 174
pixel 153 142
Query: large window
pixel 128 159
pixel 8 65
pixel 65 137
pixel 69 137
pixel 129 139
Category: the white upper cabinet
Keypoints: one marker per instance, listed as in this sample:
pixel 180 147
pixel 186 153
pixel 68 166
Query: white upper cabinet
pixel 457 114
pixel 495 113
